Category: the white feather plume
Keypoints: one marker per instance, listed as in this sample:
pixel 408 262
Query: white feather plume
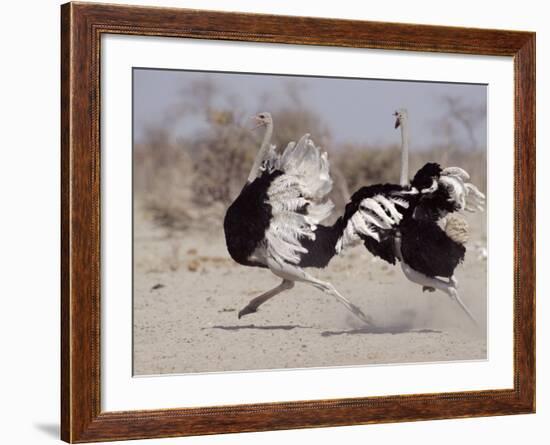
pixel 298 199
pixel 374 216
pixel 465 194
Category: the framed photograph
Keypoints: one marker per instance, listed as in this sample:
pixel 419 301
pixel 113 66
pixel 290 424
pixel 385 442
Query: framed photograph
pixel 274 222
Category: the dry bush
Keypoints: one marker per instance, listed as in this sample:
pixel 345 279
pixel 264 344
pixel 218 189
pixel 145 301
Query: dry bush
pixel 290 124
pixel 163 174
pixel 222 158
pixel 365 165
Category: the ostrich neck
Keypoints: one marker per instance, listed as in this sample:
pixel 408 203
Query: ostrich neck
pixel 264 150
pixel 404 180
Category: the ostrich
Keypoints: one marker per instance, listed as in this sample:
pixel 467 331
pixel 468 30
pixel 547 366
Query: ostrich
pixel 275 221
pixel 428 239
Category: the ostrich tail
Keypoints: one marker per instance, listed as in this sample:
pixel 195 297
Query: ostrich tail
pixel 456 228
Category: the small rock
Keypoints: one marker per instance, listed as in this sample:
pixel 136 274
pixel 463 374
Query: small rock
pixel 193 265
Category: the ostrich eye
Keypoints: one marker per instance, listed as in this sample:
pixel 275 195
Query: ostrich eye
pixel 262 116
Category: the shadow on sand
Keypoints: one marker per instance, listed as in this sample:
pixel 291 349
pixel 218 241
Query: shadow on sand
pixel 282 327
pixel 397 329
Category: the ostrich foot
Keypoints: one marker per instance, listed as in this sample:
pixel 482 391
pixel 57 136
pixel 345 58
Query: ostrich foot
pixel 253 304
pixel 247 310
pixel 359 314
pixel 428 289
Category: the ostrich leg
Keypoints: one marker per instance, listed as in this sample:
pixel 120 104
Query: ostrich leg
pixel 448 288
pixel 294 273
pixel 253 305
pixel 429 283
pixel 331 290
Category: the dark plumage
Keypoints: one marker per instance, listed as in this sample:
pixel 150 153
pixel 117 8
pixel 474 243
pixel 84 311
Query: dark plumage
pixel 434 205
pixel 423 177
pixel 248 218
pixel 425 245
pixel 383 249
pixel 323 248
pixel 428 249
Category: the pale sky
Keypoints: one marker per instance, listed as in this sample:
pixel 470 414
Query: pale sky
pixel 355 110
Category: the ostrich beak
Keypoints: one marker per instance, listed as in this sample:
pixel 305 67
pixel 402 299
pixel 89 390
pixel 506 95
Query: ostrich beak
pixel 397 120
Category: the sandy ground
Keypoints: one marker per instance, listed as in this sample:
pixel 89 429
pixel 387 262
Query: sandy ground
pixel 188 291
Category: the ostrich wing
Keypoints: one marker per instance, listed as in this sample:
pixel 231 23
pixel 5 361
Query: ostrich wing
pixel 298 200
pixel 372 216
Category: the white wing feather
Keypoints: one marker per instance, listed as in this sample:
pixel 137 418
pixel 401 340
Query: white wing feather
pixel 465 194
pixel 298 200
pixel 375 216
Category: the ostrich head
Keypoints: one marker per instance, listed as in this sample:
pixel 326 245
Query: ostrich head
pixel 400 116
pixel 262 119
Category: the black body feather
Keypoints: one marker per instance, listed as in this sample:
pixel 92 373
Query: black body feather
pixel 428 249
pixel 248 218
pixel 423 177
pixel 436 204
pixel 321 250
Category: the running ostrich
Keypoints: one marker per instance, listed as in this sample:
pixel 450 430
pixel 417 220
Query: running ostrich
pixel 429 239
pixel 275 222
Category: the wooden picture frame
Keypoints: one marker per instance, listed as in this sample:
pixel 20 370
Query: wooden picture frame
pixel 82 26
